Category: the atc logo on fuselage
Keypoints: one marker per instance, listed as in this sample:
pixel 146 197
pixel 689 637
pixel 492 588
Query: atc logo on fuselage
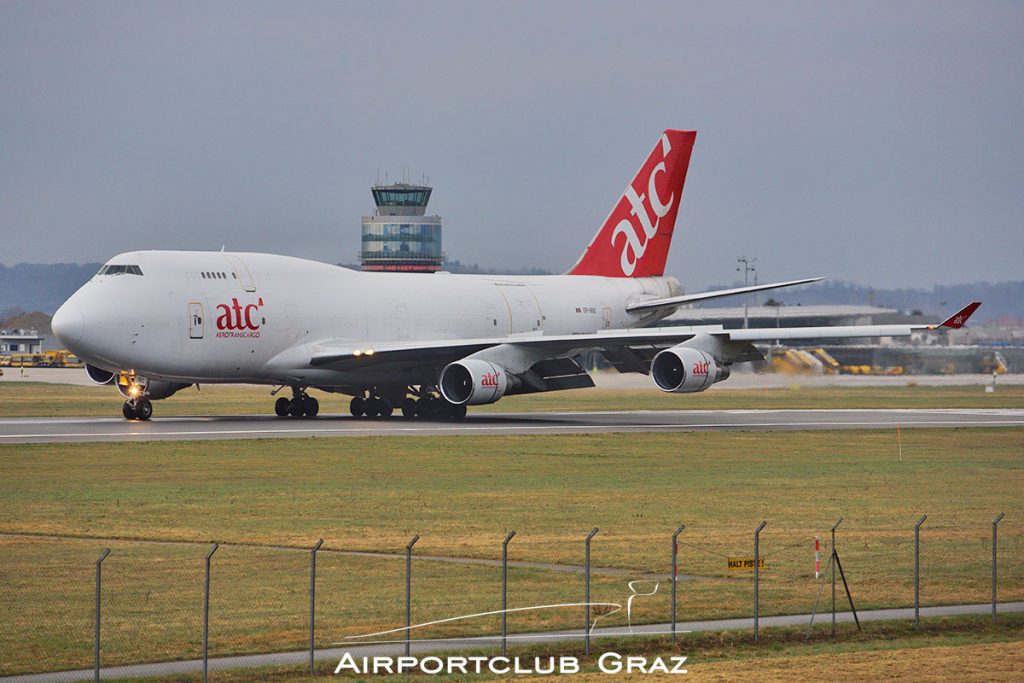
pixel 240 320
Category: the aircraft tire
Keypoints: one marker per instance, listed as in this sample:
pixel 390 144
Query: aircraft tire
pixel 296 407
pixel 281 407
pixel 311 406
pixel 425 408
pixel 128 410
pixel 457 412
pixel 357 406
pixel 371 407
pixel 409 408
pixel 385 409
pixel 143 409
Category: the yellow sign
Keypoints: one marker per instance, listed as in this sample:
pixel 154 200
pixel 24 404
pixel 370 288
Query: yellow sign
pixel 744 563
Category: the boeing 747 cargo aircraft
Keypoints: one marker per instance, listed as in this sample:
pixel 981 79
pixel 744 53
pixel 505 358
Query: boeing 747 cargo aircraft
pixel 155 322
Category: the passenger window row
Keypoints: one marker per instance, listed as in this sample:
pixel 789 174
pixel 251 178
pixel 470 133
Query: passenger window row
pixel 213 275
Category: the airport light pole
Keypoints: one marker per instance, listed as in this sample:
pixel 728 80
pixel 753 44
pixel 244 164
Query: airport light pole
pixel 747 266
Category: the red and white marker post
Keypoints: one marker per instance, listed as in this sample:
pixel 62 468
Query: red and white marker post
pixel 817 558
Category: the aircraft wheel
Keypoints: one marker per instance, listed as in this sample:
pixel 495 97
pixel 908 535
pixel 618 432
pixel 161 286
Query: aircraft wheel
pixel 311 406
pixel 371 407
pixel 296 407
pixel 143 409
pixel 357 406
pixel 409 407
pixel 281 407
pixel 426 408
pixel 128 410
pixel 457 412
pixel 385 408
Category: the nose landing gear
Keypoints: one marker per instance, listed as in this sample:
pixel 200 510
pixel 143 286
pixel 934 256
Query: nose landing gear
pixel 300 405
pixel 137 409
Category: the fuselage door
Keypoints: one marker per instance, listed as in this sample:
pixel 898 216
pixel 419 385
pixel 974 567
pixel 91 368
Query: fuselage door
pixel 195 320
pixel 523 309
pixel 241 273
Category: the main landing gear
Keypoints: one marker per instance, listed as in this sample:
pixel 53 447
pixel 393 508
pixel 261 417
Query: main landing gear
pixel 137 409
pixel 300 404
pixel 427 406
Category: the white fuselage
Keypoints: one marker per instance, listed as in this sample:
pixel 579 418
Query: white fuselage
pixel 246 317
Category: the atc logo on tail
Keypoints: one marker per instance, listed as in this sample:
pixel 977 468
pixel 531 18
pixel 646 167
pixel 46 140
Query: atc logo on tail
pixel 634 240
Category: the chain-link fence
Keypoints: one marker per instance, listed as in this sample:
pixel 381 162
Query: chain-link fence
pixel 145 604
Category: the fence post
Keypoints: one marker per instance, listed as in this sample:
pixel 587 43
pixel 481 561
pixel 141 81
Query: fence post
pixel 917 572
pixel 408 592
pixel 99 585
pixel 586 594
pixel 504 589
pixel 675 576
pixel 312 601
pixel 757 577
pixel 995 526
pixel 206 611
pixel 833 558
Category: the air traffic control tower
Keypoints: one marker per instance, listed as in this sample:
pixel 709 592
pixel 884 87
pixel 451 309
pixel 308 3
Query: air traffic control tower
pixel 400 236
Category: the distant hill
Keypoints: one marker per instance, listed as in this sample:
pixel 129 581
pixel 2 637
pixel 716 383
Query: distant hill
pixel 15 320
pixel 41 286
pixel 1000 299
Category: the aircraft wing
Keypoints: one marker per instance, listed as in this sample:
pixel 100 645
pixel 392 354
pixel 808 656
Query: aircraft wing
pixel 682 299
pixel 342 357
pixel 955 321
pixel 630 350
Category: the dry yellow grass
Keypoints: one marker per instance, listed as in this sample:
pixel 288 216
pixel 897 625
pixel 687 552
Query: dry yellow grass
pixel 975 662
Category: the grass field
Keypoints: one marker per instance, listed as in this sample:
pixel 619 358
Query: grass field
pixel 462 494
pixel 30 399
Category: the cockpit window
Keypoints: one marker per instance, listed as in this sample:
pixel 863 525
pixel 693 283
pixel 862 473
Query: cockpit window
pixel 111 269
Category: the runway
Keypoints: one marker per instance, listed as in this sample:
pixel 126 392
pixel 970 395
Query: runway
pixel 68 430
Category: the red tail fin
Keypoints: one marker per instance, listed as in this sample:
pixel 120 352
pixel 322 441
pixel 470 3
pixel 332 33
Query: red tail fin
pixel 634 240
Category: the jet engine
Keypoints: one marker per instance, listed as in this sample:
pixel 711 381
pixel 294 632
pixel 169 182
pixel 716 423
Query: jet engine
pixel 99 375
pixel 473 382
pixel 133 386
pixel 685 370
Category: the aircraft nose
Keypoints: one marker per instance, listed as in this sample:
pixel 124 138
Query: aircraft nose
pixel 67 324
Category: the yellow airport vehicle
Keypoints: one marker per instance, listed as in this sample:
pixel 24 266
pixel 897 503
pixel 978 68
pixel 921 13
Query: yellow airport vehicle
pixel 26 360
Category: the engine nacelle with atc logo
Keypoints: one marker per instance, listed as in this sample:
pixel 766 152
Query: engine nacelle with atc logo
pixel 473 382
pixel 684 370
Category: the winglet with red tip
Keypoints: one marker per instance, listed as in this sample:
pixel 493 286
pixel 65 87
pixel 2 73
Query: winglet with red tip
pixel 959 319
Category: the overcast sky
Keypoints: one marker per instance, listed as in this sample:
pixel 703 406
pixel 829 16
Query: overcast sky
pixel 878 143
